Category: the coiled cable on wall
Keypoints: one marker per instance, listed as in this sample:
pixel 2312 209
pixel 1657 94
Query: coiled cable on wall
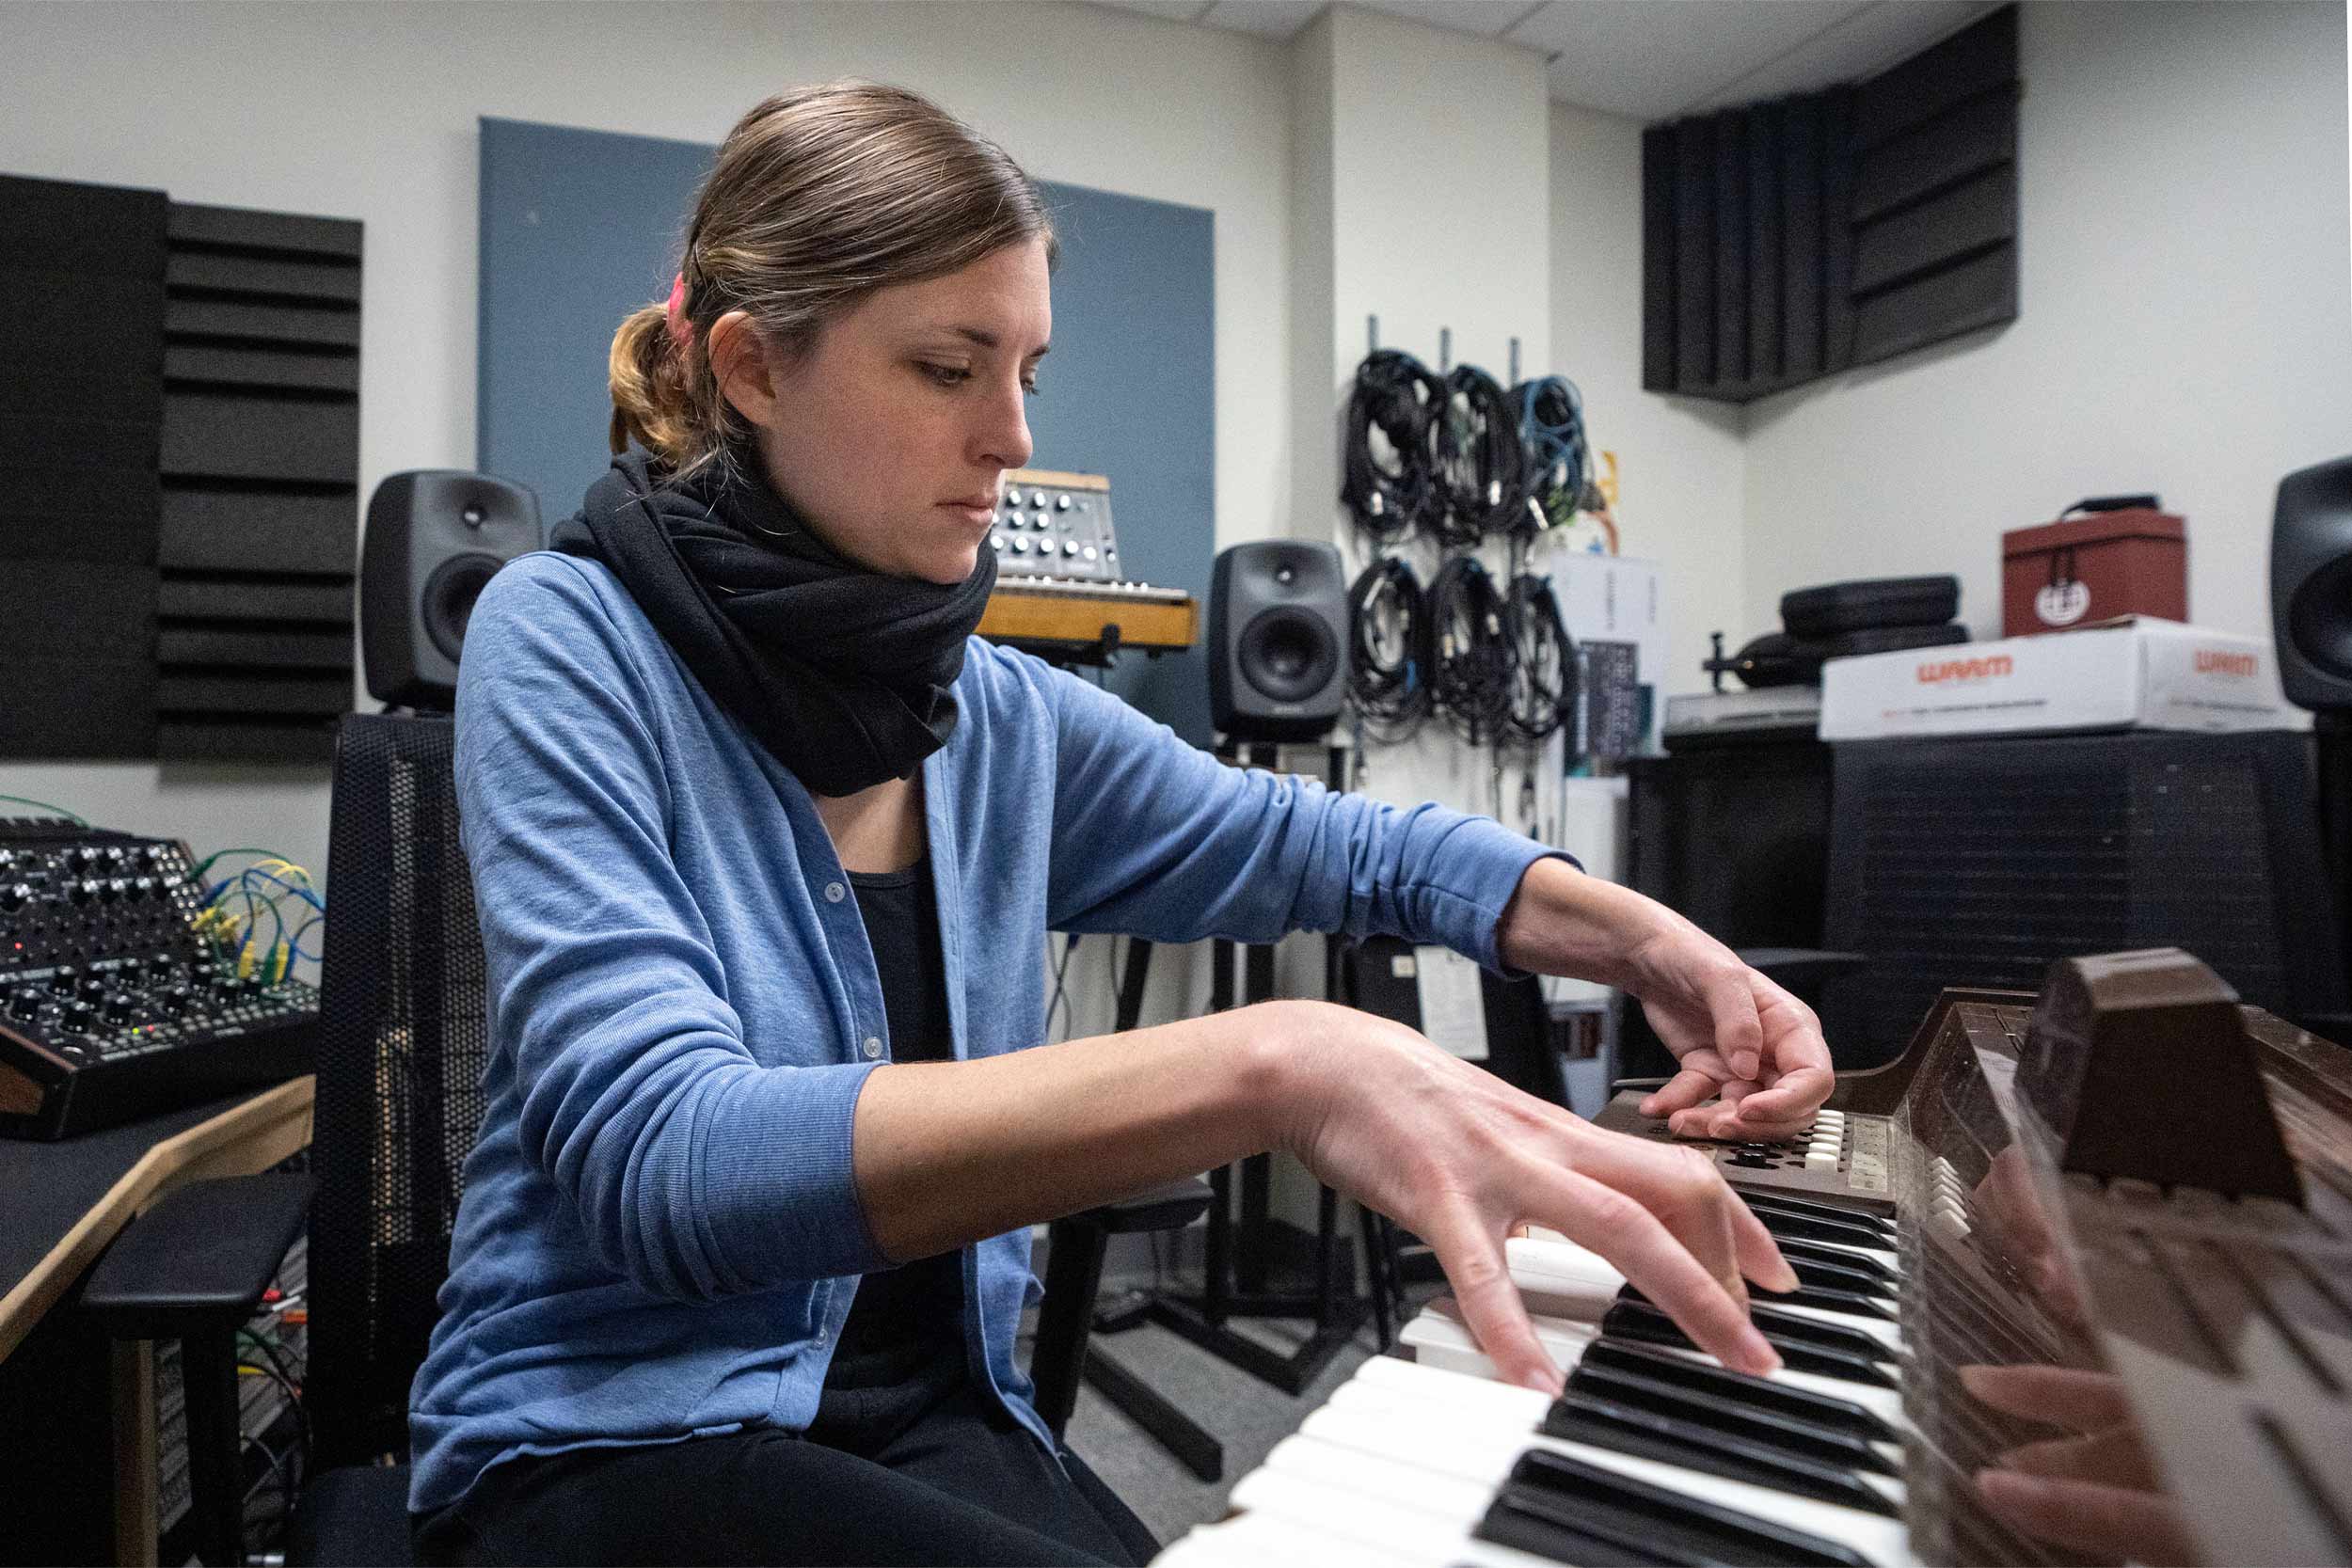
pixel 1481 465
pixel 1552 435
pixel 1543 667
pixel 1389 648
pixel 1387 483
pixel 1469 669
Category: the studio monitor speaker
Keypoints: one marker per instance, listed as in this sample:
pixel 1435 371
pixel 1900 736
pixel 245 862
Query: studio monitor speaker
pixel 2311 584
pixel 434 537
pixel 1278 640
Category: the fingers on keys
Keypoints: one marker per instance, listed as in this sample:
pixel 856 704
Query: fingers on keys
pixel 1490 1304
pixel 1665 1265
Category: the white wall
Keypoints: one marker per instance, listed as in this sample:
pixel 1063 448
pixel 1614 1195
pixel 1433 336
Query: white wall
pixel 1432 204
pixel 369 110
pixel 1681 462
pixel 2182 324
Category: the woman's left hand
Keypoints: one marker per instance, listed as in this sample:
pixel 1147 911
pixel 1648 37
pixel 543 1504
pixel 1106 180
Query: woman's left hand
pixel 1753 1061
pixel 1740 1040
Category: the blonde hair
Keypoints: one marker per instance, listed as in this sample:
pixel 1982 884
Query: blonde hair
pixel 819 198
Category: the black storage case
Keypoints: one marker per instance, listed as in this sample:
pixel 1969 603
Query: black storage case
pixel 1975 860
pixel 1845 606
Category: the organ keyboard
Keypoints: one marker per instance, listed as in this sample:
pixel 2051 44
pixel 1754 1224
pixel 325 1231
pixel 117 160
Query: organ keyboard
pixel 2045 1245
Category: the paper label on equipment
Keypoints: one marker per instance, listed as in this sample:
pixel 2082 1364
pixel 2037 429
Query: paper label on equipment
pixel 1400 967
pixel 1453 1004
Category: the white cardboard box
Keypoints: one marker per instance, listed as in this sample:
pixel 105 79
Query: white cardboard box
pixel 2133 673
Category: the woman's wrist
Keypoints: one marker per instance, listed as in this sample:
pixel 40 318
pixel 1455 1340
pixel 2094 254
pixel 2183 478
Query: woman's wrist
pixel 1279 1054
pixel 1562 921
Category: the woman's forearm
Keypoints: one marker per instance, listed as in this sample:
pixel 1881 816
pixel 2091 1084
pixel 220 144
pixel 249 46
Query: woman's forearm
pixel 948 1152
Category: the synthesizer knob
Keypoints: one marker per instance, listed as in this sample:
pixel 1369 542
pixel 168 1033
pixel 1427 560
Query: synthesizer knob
pixel 1062 503
pixel 83 891
pixel 177 1000
pixel 78 1015
pixel 113 889
pixel 1021 546
pixel 93 984
pixel 143 888
pixel 1070 546
pixel 121 1006
pixel 1087 552
pixel 62 982
pixel 996 541
pixel 86 855
pixel 1013 497
pixel 16 895
pixel 1036 499
pixel 25 1002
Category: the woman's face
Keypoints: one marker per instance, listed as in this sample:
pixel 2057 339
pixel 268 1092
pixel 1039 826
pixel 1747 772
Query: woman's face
pixel 891 434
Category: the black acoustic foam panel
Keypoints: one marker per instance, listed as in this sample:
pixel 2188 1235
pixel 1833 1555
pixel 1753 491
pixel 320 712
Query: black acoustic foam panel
pixel 260 494
pixel 81 411
pixel 1791 240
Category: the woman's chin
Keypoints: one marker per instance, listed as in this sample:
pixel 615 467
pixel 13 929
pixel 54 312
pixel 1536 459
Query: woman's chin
pixel 948 568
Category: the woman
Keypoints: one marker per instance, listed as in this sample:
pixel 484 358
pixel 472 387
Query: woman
pixel 765 849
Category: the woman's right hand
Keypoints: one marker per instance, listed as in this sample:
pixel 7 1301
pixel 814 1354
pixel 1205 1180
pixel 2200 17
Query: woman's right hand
pixel 1462 1159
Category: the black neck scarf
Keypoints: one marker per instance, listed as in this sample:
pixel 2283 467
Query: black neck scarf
pixel 842 673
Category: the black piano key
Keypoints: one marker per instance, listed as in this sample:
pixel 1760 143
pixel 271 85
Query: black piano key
pixel 1784 1224
pixel 1817 1409
pixel 1783 1203
pixel 1555 1505
pixel 1731 1415
pixel 1854 1341
pixel 1639 1320
pixel 1823 1265
pixel 1853 1304
pixel 1580 1418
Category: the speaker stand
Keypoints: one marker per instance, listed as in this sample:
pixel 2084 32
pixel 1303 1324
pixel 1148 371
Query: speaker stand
pixel 1236 1282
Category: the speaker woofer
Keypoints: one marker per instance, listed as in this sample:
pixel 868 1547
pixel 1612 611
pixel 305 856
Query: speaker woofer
pixel 1287 655
pixel 448 596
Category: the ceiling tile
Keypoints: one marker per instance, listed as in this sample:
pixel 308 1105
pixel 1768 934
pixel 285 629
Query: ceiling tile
pixel 1272 17
pixel 1864 44
pixel 1485 17
pixel 1651 59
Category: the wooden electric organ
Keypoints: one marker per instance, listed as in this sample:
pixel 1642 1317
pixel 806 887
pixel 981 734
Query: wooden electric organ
pixel 2131 1202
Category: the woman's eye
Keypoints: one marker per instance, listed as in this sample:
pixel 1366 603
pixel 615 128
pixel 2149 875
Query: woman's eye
pixel 948 375
pixel 1028 384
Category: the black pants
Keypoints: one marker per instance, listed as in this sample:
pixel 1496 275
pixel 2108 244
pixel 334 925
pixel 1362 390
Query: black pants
pixel 925 1471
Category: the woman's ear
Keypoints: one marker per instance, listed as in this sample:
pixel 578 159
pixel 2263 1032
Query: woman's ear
pixel 739 360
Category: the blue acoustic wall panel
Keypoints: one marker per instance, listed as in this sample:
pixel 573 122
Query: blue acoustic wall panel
pixel 578 228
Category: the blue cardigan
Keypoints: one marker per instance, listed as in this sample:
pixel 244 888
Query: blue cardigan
pixel 659 1236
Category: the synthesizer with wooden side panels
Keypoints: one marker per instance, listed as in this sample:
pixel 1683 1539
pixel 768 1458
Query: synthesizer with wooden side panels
pixel 112 1006
pixel 2132 1198
pixel 1060 591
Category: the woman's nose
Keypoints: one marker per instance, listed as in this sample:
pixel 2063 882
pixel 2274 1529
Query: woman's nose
pixel 1003 439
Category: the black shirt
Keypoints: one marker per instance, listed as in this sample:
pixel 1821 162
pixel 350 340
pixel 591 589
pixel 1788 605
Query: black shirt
pixel 903 1316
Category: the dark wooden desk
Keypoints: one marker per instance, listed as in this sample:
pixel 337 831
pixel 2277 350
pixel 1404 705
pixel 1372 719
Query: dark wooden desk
pixel 77 1412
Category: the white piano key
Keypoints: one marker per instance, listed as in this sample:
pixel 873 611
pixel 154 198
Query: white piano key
pixel 1434 1434
pixel 1272 1540
pixel 1408 1529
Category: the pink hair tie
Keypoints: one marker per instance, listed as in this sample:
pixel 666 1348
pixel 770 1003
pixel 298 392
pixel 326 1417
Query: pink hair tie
pixel 681 330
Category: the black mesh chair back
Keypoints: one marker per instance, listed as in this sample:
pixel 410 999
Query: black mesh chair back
pixel 402 1039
